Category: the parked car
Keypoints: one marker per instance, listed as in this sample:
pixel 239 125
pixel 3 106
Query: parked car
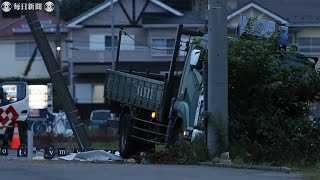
pixel 99 117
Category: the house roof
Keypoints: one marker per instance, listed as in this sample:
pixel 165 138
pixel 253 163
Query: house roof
pixel 160 18
pixel 5 21
pixel 12 27
pixel 260 8
pixel 294 12
pixel 106 4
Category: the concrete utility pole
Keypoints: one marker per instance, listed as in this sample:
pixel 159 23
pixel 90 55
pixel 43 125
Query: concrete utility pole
pixel 77 124
pixel 217 136
pixel 112 36
pixel 70 60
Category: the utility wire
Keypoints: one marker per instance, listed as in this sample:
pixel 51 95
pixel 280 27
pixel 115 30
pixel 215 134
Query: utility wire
pixel 150 47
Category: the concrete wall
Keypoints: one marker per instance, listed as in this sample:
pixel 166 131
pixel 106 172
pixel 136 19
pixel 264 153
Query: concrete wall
pixel 13 67
pixel 140 53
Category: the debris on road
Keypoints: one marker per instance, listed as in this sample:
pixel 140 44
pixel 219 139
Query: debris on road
pixel 97 155
pixel 131 160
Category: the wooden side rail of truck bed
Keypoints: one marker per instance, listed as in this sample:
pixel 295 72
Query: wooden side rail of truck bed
pixel 134 90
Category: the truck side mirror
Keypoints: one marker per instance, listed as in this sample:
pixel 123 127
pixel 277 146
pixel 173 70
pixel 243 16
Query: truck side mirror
pixel 194 57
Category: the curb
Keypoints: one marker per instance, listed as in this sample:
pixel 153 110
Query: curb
pixel 255 167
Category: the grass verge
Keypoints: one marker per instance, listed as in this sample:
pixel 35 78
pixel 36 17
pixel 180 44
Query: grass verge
pixel 311 172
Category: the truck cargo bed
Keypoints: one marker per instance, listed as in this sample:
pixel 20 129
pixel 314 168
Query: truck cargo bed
pixel 134 90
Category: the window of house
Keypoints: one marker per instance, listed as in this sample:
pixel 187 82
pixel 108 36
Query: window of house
pixel 83 93
pixel 89 93
pixel 24 50
pixel 98 90
pixel 309 45
pixel 162 46
pixel 127 42
pixel 108 41
pixel 97 42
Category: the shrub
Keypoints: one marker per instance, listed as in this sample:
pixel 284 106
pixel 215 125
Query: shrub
pixel 269 98
pixel 185 153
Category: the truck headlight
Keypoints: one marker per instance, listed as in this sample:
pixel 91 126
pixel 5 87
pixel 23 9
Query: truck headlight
pixel 186 133
pixel 195 133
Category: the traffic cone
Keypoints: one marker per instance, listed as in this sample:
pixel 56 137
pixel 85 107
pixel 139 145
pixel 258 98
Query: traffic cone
pixel 15 138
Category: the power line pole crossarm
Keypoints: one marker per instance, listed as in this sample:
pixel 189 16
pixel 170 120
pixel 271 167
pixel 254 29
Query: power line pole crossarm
pixel 217 100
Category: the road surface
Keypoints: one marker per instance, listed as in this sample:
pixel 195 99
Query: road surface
pixel 62 170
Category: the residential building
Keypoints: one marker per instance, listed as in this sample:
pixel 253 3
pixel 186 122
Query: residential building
pixel 302 18
pixel 150 30
pixel 17 45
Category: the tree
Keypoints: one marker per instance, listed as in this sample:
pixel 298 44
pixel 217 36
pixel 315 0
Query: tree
pixel 73 8
pixel 270 92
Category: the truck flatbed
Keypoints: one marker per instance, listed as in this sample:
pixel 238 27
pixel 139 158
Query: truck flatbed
pixel 134 90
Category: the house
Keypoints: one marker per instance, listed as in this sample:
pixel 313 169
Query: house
pixel 17 45
pixel 150 26
pixel 302 18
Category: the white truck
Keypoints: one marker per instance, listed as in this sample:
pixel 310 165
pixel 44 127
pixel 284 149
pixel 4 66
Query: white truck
pixel 14 106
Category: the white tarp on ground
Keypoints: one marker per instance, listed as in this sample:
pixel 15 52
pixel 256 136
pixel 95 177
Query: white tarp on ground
pixel 97 155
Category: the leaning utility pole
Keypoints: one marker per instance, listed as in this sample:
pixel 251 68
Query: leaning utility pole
pixel 217 130
pixel 77 124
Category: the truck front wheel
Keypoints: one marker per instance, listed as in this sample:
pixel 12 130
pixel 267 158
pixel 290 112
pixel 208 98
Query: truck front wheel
pixel 176 137
pixel 126 143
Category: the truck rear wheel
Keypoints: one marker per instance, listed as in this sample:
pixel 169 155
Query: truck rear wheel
pixel 126 143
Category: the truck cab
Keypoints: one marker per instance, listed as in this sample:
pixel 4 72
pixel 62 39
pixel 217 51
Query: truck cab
pixel 14 106
pixel 188 105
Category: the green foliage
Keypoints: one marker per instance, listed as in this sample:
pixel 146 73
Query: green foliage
pixel 74 8
pixel 269 101
pixel 185 153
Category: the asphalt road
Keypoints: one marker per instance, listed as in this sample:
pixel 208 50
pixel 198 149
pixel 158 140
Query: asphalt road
pixel 62 170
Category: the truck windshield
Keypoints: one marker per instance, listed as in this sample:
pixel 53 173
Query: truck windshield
pixel 101 115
